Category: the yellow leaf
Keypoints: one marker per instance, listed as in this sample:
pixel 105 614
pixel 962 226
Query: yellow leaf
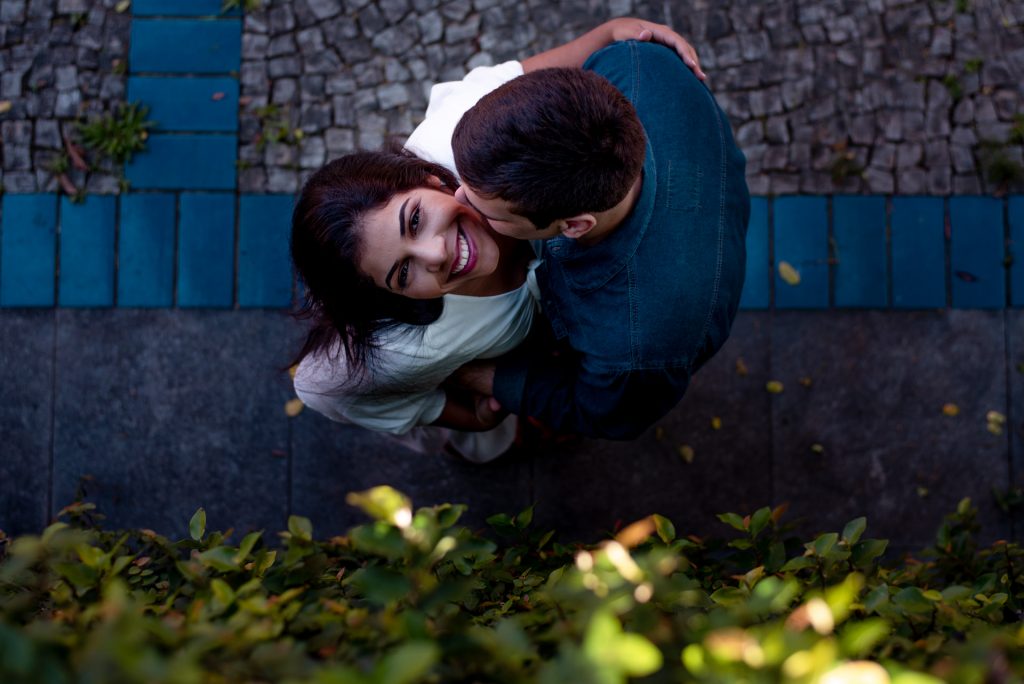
pixel 5 106
pixel 293 408
pixel 686 451
pixel 922 492
pixel 716 423
pixel 292 370
pixel 741 367
pixel 951 410
pixel 995 428
pixel 995 417
pixel 789 274
pixel 122 6
pixel 774 386
pixel 818 449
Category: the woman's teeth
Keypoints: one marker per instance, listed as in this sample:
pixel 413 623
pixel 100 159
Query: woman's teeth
pixel 463 245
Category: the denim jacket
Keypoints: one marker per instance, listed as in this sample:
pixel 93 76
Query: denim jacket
pixel 644 308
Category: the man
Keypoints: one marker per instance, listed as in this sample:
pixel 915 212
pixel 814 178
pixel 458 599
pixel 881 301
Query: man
pixel 639 193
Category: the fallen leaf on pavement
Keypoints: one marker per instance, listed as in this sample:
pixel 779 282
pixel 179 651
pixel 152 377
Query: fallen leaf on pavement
pixel 774 386
pixel 293 408
pixel 951 410
pixel 686 451
pixel 716 423
pixel 789 274
pixel 741 367
pixel 5 106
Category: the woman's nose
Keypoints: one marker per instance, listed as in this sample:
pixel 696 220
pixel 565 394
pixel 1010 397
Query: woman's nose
pixel 433 252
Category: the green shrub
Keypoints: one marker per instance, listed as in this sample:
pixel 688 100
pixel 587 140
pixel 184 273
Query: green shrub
pixel 413 597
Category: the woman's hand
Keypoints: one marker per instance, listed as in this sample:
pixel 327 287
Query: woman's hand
pixel 628 28
pixel 575 53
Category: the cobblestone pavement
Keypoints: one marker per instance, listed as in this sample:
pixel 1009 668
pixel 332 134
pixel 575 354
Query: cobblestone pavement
pixel 873 96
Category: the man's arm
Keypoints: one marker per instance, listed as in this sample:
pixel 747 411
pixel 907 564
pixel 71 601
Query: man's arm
pixel 575 52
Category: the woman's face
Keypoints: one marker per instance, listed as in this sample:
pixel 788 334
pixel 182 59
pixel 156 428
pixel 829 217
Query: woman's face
pixel 423 244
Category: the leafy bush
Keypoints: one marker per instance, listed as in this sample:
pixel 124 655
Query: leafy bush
pixel 413 597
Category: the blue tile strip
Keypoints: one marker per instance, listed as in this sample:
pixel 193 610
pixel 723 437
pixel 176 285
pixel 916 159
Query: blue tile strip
pixel 801 240
pixel 188 162
pixel 858 228
pixel 206 104
pixel 264 265
pixel 977 253
pixel 180 8
pixel 918 253
pixel 185 46
pixel 206 250
pixel 28 236
pixel 757 283
pixel 87 251
pixel 1015 212
pixel 146 251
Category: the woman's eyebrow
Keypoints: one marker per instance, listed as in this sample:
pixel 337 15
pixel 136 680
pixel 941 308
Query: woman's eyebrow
pixel 401 233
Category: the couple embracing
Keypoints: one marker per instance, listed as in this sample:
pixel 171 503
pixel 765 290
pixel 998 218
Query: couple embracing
pixel 585 261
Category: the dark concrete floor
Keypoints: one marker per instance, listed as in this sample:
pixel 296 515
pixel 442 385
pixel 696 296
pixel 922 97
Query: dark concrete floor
pixel 169 410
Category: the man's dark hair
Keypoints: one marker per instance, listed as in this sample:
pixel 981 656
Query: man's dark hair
pixel 345 304
pixel 554 143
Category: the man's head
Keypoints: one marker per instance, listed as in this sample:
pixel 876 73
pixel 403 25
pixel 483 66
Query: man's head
pixel 546 151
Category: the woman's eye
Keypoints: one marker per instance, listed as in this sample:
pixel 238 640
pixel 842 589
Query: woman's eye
pixel 414 222
pixel 403 275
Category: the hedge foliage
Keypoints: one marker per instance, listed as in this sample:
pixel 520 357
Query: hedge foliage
pixel 414 597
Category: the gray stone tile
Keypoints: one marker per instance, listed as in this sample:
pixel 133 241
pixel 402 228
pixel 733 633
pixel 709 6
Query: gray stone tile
pixel 1015 418
pixel 26 403
pixel 880 381
pixel 171 410
pixel 588 490
pixel 332 459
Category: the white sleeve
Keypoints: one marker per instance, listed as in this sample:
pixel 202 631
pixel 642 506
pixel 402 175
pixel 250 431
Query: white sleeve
pixel 323 384
pixel 432 139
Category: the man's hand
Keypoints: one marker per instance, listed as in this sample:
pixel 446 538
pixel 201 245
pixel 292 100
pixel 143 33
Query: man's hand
pixel 475 376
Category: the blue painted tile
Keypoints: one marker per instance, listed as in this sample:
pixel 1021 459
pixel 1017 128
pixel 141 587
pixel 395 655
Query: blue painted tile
pixel 28 238
pixel 186 162
pixel 206 250
pixel 145 260
pixel 185 46
pixel 858 227
pixel 188 103
pixel 977 252
pixel 801 239
pixel 87 251
pixel 264 265
pixel 918 253
pixel 757 283
pixel 179 8
pixel 1016 212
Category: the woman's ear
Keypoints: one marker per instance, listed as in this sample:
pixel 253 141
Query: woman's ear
pixel 434 181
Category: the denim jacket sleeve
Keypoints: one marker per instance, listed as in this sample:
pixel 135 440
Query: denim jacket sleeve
pixel 566 396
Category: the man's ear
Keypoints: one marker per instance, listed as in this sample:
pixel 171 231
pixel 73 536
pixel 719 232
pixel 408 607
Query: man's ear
pixel 577 226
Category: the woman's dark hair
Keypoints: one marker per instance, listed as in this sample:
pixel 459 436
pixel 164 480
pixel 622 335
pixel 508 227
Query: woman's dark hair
pixel 344 304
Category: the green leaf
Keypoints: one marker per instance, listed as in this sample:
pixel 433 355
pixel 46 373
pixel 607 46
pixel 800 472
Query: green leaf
pixel 732 520
pixel 759 520
pixel 380 585
pixel 664 527
pixel 876 598
pixel 608 646
pixel 912 600
pixel 301 528
pixel 220 558
pixel 408 663
pixel 81 577
pixel 798 563
pixel 383 503
pixel 858 638
pixel 729 596
pixel 955 593
pixel 222 592
pixel 823 544
pixel 868 550
pixel 197 525
pixel 524 518
pixel 909 677
pixel 247 545
pixel 854 529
